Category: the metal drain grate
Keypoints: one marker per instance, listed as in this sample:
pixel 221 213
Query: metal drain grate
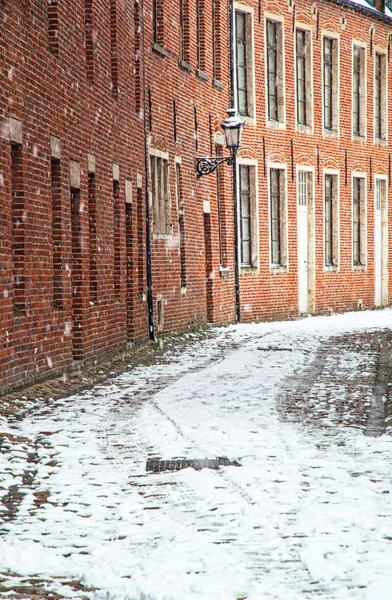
pixel 156 465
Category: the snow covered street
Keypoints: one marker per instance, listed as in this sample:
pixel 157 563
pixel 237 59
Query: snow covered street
pixel 308 514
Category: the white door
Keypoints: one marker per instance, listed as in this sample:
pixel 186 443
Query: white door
pixel 377 245
pixel 303 281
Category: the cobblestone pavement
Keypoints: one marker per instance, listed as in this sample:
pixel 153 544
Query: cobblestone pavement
pixel 305 515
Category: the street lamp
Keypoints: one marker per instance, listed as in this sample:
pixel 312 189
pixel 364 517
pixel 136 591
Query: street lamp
pixel 232 127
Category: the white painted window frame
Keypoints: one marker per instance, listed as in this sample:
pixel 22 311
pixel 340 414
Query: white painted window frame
pixel 359 175
pixel 245 8
pixel 269 16
pixel 332 268
pixel 273 268
pixel 309 127
pixel 255 244
pixel 334 133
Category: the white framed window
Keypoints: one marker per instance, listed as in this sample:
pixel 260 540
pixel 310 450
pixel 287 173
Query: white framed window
pixel 303 77
pixel 160 192
pixel 331 220
pixel 244 61
pixel 359 91
pixel 248 213
pixel 330 83
pixel 359 219
pixel 380 97
pixel 278 216
pixel 274 72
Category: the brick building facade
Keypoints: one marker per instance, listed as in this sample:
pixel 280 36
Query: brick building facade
pixel 106 235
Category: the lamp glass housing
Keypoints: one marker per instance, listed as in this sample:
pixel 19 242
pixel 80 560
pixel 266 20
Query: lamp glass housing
pixel 232 126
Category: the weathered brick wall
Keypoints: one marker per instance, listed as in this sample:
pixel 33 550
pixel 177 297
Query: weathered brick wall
pixel 54 87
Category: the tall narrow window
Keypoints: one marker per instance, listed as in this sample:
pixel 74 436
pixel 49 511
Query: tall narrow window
pixel 18 229
pixel 137 40
pixel 77 274
pixel 245 216
pixel 113 47
pixel 274 59
pixel 157 22
pixel 181 226
pixel 275 217
pixel 89 39
pixel 303 188
pixel 160 195
pixel 130 279
pixel 242 76
pixel 358 91
pixel 330 84
pixel 200 35
pixel 117 239
pixel 329 216
pixel 379 96
pixel 217 40
pixel 359 221
pixel 92 216
pixel 57 236
pixel 140 242
pixel 182 29
pixel 301 76
pixel 244 63
pixel 53 27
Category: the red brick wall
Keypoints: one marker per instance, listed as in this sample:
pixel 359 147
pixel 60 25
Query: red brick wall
pixel 265 294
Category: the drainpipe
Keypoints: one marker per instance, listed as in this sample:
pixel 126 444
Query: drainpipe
pixel 146 170
pixel 235 185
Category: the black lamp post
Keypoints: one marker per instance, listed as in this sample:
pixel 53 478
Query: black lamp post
pixel 232 127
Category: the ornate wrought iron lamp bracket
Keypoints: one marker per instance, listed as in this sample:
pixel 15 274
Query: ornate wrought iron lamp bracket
pixel 206 166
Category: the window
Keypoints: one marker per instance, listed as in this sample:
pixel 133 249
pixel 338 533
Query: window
pixel 113 47
pixel 200 35
pixel 245 216
pixel 301 76
pixel 160 195
pixel 330 84
pixel 181 228
pixel 216 40
pixel 89 39
pixel 182 32
pixel 330 221
pixel 302 188
pixel 157 22
pixel 277 213
pixel 92 226
pixel 359 117
pixel 359 221
pixel 18 238
pixel 57 233
pixel 274 71
pixel 379 96
pixel 53 27
pixel 117 238
pixel 244 63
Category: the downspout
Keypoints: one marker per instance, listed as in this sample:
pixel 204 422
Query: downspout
pixel 234 156
pixel 146 170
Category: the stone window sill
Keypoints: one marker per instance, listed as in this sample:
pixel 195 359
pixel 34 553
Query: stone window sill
pixel 218 84
pixel 359 268
pixel 330 133
pixel 331 268
pixel 277 125
pixel 359 138
pixel 306 129
pixel 185 65
pixel 248 271
pixel 160 50
pixel 224 271
pixel 201 75
pixel 278 269
pixel 162 236
pixel 380 142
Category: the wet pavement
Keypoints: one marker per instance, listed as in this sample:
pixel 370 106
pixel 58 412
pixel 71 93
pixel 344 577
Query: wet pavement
pixel 302 407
